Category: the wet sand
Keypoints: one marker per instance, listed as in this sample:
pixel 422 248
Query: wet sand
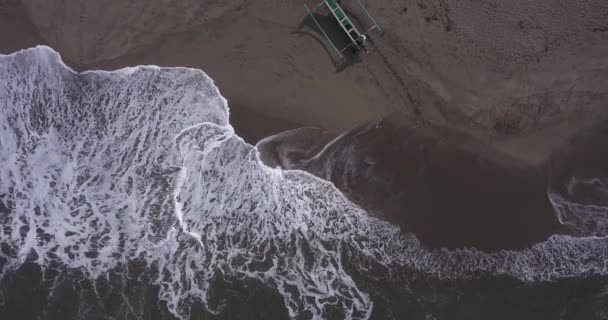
pixel 16 31
pixel 447 187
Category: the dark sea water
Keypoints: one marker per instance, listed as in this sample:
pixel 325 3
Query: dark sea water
pixel 127 195
pixel 28 296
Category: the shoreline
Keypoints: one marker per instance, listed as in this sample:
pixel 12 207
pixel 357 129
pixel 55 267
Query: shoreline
pixel 447 187
pixel 275 80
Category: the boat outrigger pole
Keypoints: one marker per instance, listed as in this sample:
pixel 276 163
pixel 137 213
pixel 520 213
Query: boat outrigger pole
pixel 358 40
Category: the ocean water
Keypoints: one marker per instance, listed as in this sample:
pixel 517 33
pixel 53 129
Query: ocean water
pixel 127 195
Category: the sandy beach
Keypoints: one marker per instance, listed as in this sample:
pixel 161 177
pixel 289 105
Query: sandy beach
pixel 513 80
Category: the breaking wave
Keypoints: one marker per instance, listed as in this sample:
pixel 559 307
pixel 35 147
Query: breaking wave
pixel 98 169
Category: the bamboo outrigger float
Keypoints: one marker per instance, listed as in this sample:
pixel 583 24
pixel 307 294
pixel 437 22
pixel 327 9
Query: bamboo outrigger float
pixel 358 39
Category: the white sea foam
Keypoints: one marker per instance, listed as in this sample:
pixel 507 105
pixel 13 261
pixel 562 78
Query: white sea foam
pixel 589 219
pixel 102 168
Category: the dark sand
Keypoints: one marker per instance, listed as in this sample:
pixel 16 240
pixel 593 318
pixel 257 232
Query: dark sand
pixel 521 76
pixel 16 31
pixel 447 187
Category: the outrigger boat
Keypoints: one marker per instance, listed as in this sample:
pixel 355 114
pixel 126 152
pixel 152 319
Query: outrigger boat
pixel 358 39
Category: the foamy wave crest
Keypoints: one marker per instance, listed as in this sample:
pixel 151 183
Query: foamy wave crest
pixel 102 168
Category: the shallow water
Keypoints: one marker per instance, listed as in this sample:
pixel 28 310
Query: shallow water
pixel 127 195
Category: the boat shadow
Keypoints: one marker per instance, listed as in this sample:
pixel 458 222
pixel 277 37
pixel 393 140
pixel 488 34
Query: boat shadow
pixel 340 40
